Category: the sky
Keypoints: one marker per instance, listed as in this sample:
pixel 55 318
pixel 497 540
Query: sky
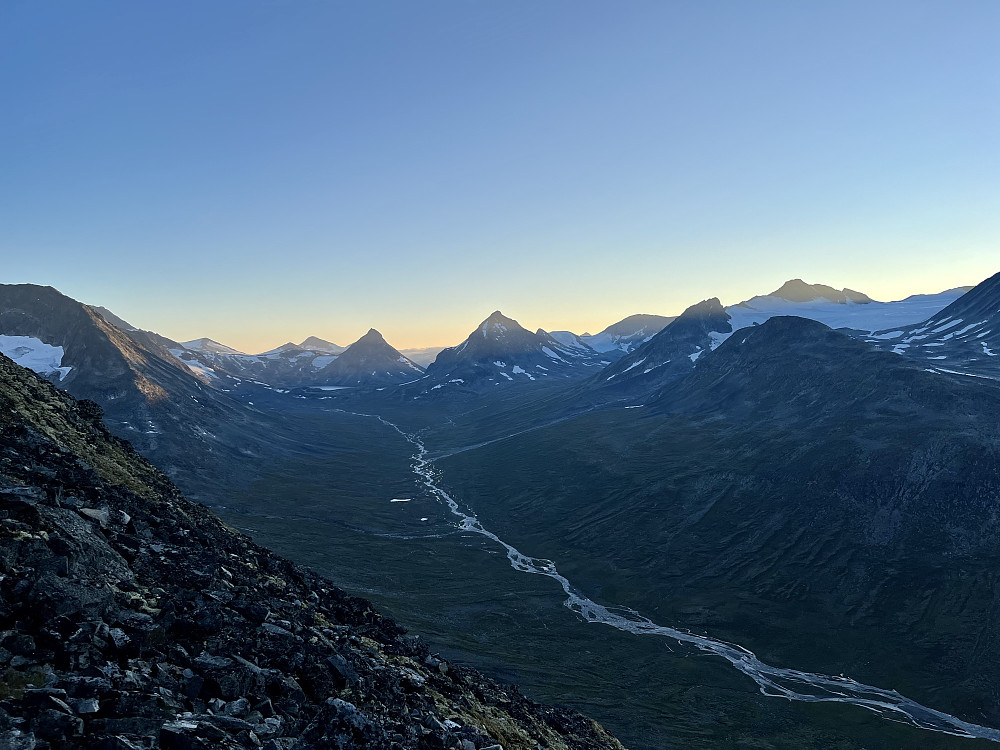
pixel 259 172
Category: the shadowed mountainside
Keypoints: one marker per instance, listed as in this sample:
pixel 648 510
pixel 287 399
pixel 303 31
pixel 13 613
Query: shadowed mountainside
pixel 131 617
pixel 832 507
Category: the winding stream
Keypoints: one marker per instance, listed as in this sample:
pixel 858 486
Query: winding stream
pixel 776 682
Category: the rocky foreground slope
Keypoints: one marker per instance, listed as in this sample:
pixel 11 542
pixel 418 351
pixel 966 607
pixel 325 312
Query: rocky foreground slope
pixel 133 618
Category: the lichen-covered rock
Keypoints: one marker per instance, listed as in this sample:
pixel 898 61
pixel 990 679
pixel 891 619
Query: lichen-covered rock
pixel 132 618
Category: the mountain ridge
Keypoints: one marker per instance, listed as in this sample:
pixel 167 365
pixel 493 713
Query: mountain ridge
pixel 962 337
pixel 501 352
pixel 148 395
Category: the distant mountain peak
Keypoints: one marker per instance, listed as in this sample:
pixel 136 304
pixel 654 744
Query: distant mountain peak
pixel 316 344
pixel 370 360
pixel 675 350
pixel 373 336
pixel 797 290
pixel 500 351
pixel 705 308
pixel 624 336
pixel 499 324
pixel 209 345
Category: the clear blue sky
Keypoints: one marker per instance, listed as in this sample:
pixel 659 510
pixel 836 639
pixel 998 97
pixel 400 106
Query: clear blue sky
pixel 262 171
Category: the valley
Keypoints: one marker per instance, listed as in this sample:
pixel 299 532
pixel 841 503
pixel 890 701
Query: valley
pixel 650 693
pixel 500 376
pixel 605 542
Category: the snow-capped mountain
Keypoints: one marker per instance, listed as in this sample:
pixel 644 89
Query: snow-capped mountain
pixel 501 351
pixel 312 363
pixel 368 361
pixel 287 365
pixel 624 336
pixel 315 362
pixel 797 290
pixel 839 309
pixel 316 344
pixel 964 337
pixel 208 346
pixel 674 351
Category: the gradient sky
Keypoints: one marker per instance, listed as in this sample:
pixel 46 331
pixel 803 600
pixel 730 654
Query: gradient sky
pixel 262 171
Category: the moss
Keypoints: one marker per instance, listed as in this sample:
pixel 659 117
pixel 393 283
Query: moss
pixel 26 398
pixel 13 683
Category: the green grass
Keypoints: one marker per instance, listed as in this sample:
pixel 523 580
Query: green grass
pixel 332 513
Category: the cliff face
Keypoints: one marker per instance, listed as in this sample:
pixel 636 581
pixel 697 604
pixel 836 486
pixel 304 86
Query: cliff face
pixel 133 618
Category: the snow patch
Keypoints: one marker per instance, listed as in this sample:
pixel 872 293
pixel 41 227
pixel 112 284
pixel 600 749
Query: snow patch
pixel 35 354
pixel 631 366
pixel 322 361
pixel 521 371
pixel 945 327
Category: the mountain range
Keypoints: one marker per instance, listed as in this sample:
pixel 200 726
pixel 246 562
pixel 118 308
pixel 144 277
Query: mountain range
pixel 810 473
pixel 368 361
pixel 701 328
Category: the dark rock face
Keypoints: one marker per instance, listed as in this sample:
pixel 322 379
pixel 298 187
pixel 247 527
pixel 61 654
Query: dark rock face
pixel 133 618
pixel 369 361
pixel 630 332
pixel 671 354
pixel 501 352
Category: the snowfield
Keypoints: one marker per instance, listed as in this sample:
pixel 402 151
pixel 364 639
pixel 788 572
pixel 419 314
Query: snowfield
pixel 27 351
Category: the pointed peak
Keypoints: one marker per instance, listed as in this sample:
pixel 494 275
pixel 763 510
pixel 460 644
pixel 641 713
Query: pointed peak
pixel 499 324
pixel 704 309
pixel 372 336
